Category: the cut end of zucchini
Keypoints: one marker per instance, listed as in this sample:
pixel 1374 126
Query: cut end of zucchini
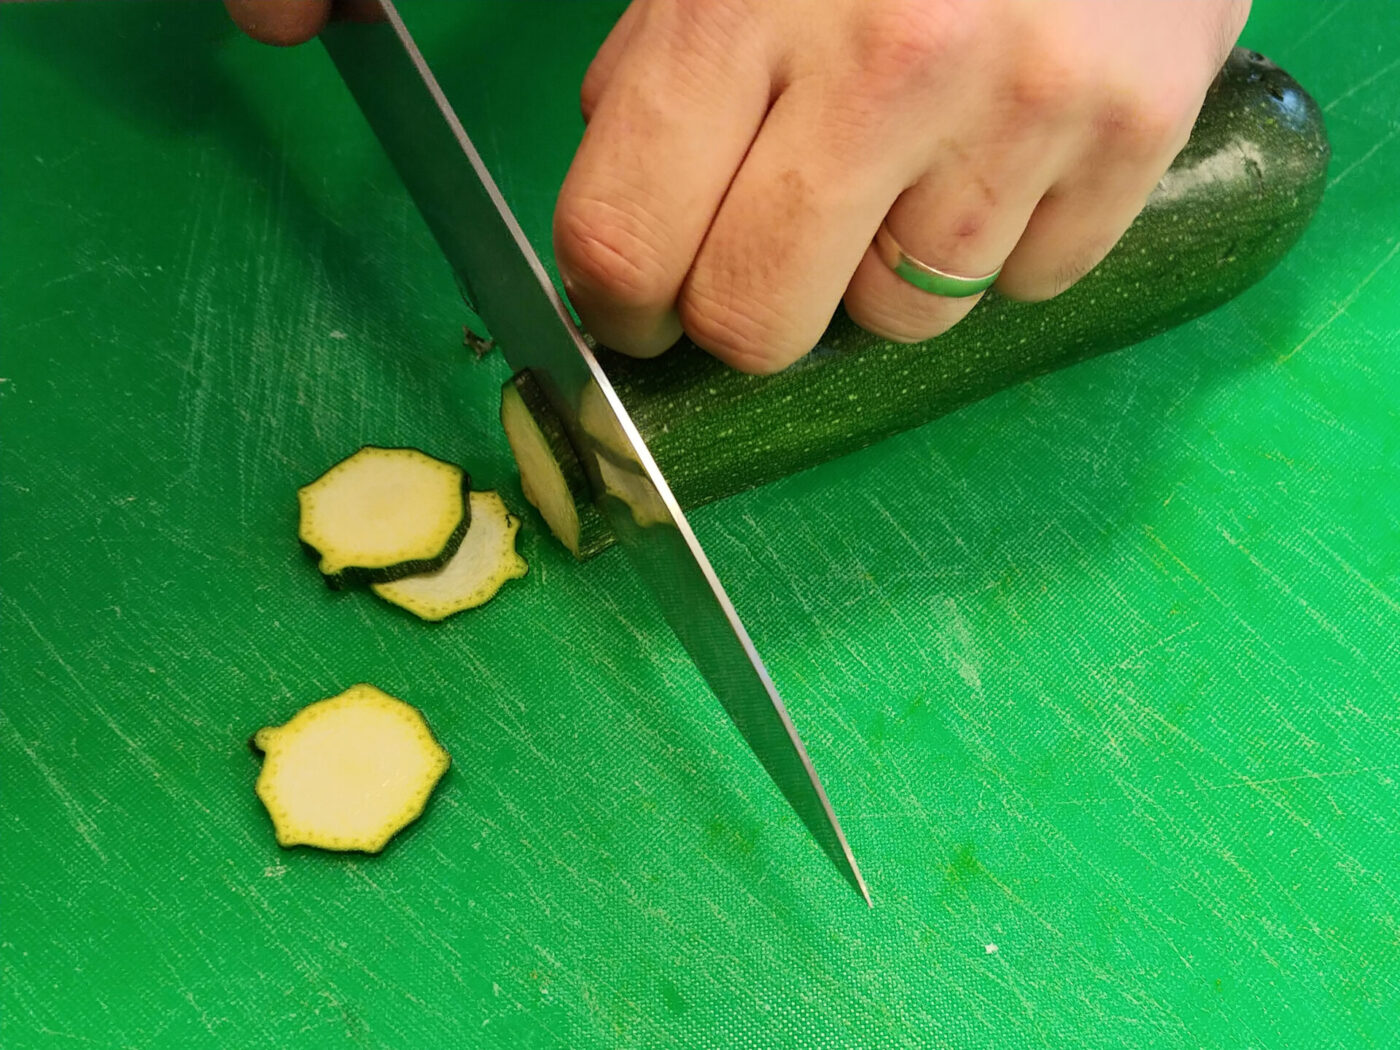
pixel 483 563
pixel 384 513
pixel 348 773
pixel 599 422
pixel 550 474
pixel 541 477
pixel 635 490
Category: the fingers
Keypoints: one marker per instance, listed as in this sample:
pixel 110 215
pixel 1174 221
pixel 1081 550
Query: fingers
pixel 810 195
pixel 605 62
pixel 1081 218
pixel 964 218
pixel 681 104
pixel 280 22
pixel 1046 210
pixel 1071 231
pixel 740 157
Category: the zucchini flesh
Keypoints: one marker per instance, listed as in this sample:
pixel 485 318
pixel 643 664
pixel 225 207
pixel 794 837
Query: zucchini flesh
pixel 551 475
pixel 348 773
pixel 636 492
pixel 597 420
pixel 1234 201
pixel 485 560
pixel 384 513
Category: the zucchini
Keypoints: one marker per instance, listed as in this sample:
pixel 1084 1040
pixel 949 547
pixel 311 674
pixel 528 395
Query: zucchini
pixel 348 773
pixel 551 477
pixel 1233 202
pixel 384 513
pixel 485 560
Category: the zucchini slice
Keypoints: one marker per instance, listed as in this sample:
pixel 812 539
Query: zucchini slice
pixel 384 513
pixel 550 474
pixel 485 560
pixel 348 773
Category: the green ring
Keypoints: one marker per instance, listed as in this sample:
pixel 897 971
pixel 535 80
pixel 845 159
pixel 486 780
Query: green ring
pixel 944 284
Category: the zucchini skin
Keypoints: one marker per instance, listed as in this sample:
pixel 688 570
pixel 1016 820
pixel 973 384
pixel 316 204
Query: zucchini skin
pixel 1233 202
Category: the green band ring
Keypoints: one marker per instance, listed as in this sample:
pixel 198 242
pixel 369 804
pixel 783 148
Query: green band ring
pixel 927 278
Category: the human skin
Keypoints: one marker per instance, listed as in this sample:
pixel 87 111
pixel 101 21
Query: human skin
pixel 740 155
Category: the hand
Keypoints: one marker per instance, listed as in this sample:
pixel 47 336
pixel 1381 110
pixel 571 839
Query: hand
pixel 740 156
pixel 280 22
pixel 287 22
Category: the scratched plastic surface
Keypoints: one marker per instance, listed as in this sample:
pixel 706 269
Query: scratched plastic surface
pixel 1101 673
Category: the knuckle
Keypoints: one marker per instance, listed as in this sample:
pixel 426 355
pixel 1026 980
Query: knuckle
pixel 605 250
pixel 735 331
pixel 590 93
pixel 700 22
pixel 902 41
pixel 1045 87
pixel 1144 131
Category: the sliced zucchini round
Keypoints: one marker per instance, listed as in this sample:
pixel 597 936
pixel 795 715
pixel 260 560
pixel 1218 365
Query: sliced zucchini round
pixel 550 473
pixel 384 513
pixel 485 560
pixel 348 773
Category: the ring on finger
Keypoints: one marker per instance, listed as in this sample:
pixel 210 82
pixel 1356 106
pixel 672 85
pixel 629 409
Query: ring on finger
pixel 925 277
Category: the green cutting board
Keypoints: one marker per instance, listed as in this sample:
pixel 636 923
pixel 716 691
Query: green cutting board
pixel 1102 674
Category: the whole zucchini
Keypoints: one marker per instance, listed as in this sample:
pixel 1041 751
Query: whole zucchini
pixel 1233 202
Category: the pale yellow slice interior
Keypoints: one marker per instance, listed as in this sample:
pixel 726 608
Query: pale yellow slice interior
pixel 485 560
pixel 541 478
pixel 600 422
pixel 635 490
pixel 350 772
pixel 381 507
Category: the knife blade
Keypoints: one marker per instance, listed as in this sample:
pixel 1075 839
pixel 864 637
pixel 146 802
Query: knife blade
pixel 511 291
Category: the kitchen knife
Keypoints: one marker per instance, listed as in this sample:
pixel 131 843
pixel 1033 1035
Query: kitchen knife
pixel 510 290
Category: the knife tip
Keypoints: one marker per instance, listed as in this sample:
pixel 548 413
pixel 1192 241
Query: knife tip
pixel 856 879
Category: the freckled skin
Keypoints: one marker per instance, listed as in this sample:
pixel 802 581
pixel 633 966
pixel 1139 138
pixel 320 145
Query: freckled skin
pixel 796 209
pixel 715 432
